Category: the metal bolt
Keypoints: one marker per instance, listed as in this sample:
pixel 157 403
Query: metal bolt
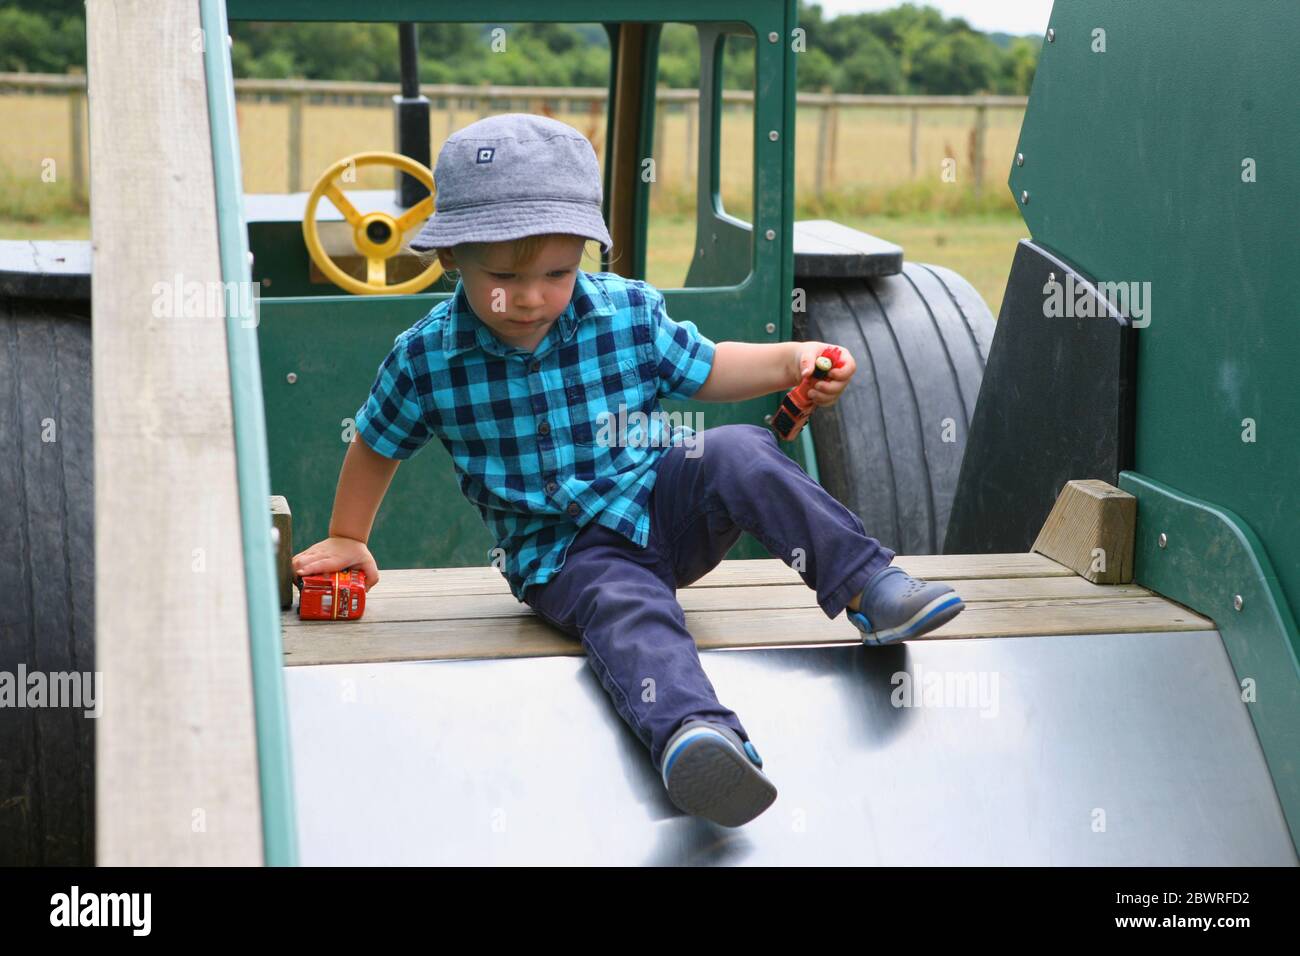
pixel 773 37
pixel 291 377
pixel 230 41
pixel 771 327
pixel 250 260
pixel 1020 159
pixel 1164 540
pixel 1051 35
pixel 1024 197
pixel 773 135
pixel 1051 277
pixel 770 234
pixel 275 536
pixel 266 282
pixel 1237 601
pixel 767 419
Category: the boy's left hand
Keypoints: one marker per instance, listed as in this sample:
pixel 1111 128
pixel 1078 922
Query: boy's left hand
pixel 827 391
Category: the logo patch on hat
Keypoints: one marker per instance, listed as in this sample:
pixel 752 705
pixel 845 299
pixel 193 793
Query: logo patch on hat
pixel 485 154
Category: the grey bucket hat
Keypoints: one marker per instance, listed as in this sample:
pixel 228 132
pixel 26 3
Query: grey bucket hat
pixel 514 175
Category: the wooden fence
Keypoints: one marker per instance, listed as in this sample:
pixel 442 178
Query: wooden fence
pixel 842 139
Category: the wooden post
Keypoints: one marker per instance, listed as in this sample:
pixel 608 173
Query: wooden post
pixel 282 522
pixel 76 119
pixel 176 756
pixel 914 140
pixel 295 142
pixel 623 143
pixel 981 125
pixel 1090 530
pixel 658 149
pixel 834 141
pixel 692 112
pixel 823 138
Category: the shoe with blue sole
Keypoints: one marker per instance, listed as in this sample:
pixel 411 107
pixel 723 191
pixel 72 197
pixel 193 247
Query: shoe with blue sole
pixel 895 606
pixel 710 772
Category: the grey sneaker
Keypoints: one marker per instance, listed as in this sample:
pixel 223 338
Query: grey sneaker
pixel 710 772
pixel 895 606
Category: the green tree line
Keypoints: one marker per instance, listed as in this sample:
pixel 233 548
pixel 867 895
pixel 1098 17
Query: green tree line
pixel 908 49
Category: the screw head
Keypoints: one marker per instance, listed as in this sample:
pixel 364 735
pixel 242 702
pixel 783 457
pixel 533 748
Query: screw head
pixel 771 327
pixel 275 536
pixel 1051 277
pixel 770 234
pixel 1051 35
pixel 773 37
pixel 1164 540
pixel 1024 197
pixel 768 419
pixel 1020 159
pixel 773 135
pixel 291 377
pixel 1237 601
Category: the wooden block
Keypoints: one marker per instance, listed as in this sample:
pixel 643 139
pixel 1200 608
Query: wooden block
pixel 1090 531
pixel 282 521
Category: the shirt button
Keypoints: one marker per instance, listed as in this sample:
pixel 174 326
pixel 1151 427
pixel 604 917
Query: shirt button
pixel 535 365
pixel 544 428
pixel 550 487
pixel 573 508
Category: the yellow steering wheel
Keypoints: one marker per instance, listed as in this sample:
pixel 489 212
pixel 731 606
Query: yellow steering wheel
pixel 376 235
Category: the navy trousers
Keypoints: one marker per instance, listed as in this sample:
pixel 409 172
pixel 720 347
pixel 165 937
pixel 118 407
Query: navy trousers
pixel 620 599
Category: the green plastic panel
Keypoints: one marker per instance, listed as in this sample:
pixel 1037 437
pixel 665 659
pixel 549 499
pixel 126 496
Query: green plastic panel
pixel 1210 559
pixel 1134 161
pixel 275 773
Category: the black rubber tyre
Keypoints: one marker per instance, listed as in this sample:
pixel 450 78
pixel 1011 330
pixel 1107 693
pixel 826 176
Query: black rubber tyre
pixel 47 783
pixel 891 448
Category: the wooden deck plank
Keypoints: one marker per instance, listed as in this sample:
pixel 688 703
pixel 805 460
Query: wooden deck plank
pixel 525 635
pixel 383 606
pixel 741 573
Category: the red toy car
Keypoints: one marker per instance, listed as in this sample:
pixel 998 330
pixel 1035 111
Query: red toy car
pixel 336 596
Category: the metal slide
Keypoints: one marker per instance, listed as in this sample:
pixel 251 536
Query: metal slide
pixel 1116 749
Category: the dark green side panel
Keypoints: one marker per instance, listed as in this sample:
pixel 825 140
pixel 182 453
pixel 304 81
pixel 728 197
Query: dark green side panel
pixel 1134 166
pixel 1159 151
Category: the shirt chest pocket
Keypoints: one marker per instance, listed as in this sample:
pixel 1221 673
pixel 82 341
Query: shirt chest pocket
pixel 593 395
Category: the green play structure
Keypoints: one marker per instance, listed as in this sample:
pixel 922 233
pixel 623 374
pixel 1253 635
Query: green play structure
pixel 1156 157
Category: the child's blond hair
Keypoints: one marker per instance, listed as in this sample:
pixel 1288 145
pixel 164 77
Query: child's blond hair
pixel 523 250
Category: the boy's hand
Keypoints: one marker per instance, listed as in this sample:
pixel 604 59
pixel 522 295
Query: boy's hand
pixel 337 553
pixel 827 391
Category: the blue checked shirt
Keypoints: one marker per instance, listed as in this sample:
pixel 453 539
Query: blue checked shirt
pixel 535 436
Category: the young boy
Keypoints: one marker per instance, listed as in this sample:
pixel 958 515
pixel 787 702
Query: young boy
pixel 522 372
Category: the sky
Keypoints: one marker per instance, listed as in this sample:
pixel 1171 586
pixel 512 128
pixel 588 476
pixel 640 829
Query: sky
pixel 1007 16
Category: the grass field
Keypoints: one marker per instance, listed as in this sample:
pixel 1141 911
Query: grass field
pixel 869 184
pixel 864 146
